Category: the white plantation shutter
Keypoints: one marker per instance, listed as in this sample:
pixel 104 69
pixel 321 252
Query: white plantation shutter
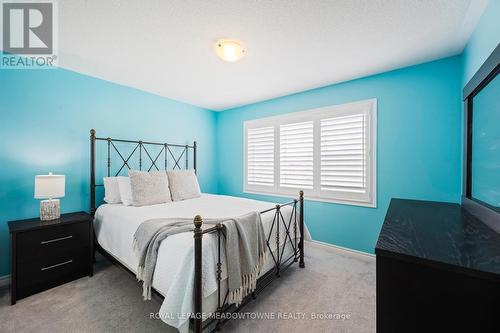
pixel 296 155
pixel 343 153
pixel 260 156
pixel 329 153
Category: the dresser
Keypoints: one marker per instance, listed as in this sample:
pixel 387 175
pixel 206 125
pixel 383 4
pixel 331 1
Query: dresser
pixel 438 270
pixel 46 254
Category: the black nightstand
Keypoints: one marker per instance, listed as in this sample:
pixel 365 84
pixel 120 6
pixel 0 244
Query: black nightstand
pixel 46 254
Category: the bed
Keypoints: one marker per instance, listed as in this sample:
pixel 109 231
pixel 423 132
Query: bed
pixel 190 274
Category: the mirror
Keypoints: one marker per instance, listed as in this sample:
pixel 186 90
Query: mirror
pixel 485 164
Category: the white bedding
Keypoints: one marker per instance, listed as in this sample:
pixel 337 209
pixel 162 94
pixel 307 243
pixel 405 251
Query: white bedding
pixel 115 225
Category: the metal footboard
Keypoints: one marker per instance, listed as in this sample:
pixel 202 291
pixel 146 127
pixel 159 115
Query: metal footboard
pixel 280 225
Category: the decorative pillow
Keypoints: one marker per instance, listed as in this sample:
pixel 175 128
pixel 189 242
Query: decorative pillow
pixel 183 184
pixel 149 188
pixel 111 190
pixel 125 190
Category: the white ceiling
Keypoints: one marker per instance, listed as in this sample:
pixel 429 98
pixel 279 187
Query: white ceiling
pixel 166 46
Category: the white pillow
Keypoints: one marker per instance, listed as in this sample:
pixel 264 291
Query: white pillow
pixel 111 190
pixel 183 184
pixel 125 190
pixel 149 188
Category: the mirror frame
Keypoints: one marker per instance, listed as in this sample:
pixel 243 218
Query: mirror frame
pixel 486 73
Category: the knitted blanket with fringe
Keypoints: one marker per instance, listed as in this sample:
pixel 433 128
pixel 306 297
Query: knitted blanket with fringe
pixel 245 244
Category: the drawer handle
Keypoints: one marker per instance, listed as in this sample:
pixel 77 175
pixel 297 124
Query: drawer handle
pixel 57 265
pixel 55 240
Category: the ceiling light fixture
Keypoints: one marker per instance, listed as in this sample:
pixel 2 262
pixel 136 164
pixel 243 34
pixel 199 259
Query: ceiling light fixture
pixel 229 50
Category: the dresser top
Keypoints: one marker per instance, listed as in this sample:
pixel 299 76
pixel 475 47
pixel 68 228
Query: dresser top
pixel 36 223
pixel 441 233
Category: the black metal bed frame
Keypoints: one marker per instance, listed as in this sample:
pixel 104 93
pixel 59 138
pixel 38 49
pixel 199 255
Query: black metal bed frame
pixel 280 264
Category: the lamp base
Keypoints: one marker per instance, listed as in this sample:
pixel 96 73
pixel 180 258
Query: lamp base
pixel 50 209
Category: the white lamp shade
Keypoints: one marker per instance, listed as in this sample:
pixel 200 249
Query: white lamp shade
pixel 49 186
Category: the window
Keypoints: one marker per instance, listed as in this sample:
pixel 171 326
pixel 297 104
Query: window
pixel 329 153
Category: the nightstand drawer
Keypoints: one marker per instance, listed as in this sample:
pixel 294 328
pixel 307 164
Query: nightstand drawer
pixel 45 272
pixel 47 242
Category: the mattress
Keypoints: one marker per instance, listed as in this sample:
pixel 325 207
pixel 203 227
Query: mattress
pixel 115 225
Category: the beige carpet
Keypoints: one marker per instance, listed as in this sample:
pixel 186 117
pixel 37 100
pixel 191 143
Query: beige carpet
pixel 334 293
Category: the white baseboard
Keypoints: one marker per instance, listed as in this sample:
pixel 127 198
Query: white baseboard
pixel 341 248
pixel 4 281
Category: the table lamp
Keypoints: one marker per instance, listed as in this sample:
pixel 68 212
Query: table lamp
pixel 49 187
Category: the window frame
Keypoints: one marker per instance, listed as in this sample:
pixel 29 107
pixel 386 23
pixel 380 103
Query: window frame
pixel 368 106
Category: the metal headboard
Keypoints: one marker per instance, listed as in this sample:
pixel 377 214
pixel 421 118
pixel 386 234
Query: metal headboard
pixel 152 160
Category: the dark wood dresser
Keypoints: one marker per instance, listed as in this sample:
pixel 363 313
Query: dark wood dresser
pixel 438 270
pixel 46 254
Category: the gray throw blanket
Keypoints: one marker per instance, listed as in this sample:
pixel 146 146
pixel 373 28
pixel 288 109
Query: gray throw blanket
pixel 245 250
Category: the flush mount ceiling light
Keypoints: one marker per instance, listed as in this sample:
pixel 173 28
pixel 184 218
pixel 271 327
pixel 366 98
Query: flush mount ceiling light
pixel 229 50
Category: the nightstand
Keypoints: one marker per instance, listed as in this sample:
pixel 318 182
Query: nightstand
pixel 46 254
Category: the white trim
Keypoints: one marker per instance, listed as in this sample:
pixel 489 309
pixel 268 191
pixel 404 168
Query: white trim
pixel 306 115
pixel 4 281
pixel 313 198
pixel 366 199
pixel 341 248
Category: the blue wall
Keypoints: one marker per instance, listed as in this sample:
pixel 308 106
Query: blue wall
pixel 419 145
pixel 483 40
pixel 46 116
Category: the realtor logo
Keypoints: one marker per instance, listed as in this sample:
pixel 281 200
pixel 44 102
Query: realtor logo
pixel 28 34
